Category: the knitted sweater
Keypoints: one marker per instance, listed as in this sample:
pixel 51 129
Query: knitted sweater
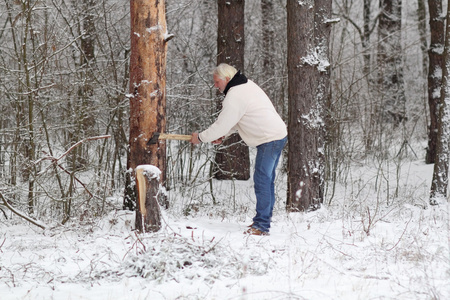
pixel 247 110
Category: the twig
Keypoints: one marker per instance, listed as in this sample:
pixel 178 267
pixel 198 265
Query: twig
pixel 401 235
pixel 22 215
pixel 2 245
pixel 55 160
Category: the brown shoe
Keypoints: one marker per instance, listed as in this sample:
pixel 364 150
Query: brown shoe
pixel 254 231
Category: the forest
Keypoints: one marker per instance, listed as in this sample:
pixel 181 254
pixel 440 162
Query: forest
pixel 374 155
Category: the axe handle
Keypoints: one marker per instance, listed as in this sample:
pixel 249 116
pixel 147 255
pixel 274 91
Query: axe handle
pixel 169 136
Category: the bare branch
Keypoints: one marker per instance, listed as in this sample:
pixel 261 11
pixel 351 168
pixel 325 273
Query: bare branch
pixel 22 215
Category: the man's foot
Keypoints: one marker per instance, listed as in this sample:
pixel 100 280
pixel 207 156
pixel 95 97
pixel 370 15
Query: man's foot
pixel 254 231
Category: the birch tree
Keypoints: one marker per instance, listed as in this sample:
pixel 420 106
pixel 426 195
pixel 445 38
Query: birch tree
pixel 308 80
pixel 439 183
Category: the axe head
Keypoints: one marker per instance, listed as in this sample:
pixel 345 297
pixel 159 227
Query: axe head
pixel 154 139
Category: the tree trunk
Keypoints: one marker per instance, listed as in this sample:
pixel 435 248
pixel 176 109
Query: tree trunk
pixel 147 87
pixel 148 214
pixel 434 74
pixel 232 157
pixel 439 183
pixel 83 116
pixel 308 89
pixel 422 26
pixel 365 38
pixel 268 48
pixel 390 64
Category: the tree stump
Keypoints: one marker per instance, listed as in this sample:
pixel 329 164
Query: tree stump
pixel 148 213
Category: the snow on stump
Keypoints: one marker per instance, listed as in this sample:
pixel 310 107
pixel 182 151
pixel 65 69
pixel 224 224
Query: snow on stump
pixel 148 214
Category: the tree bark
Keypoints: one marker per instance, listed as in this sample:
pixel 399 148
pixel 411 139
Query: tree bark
pixel 439 183
pixel 434 74
pixel 232 157
pixel 390 64
pixel 308 89
pixel 147 87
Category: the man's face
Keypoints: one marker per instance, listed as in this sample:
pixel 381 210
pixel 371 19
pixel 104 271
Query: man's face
pixel 220 83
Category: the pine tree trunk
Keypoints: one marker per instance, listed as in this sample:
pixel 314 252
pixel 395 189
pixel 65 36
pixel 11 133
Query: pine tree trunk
pixel 232 157
pixel 439 183
pixel 434 74
pixel 308 89
pixel 390 64
pixel 147 87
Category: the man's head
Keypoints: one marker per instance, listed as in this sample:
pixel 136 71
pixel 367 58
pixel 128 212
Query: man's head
pixel 222 74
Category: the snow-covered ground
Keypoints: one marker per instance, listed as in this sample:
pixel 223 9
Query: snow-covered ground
pixel 378 239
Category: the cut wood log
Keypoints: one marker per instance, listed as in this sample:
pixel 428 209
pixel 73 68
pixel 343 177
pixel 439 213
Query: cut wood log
pixel 148 213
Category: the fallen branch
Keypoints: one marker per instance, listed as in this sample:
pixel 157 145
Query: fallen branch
pixel 22 215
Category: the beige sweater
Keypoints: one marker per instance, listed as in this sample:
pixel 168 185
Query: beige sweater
pixel 247 110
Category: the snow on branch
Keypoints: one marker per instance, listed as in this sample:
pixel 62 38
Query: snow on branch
pixel 332 21
pixel 21 214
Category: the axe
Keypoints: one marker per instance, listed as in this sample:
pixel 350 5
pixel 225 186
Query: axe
pixel 167 136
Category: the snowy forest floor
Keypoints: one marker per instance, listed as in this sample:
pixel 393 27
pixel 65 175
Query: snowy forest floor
pixel 356 247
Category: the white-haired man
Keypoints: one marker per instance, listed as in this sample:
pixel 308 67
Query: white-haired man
pixel 248 111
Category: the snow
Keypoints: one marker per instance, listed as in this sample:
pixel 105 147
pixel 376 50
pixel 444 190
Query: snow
pixel 317 58
pixel 357 247
pixel 154 28
pixel 150 170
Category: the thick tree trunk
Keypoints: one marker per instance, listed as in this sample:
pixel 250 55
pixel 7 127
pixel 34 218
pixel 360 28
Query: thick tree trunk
pixel 439 183
pixel 147 86
pixel 390 64
pixel 232 157
pixel 434 74
pixel 308 89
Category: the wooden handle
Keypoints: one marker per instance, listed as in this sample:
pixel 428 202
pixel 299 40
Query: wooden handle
pixel 169 136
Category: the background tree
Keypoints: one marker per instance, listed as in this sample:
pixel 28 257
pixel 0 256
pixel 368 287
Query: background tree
pixel 232 157
pixel 307 90
pixel 390 63
pixel 81 108
pixel 439 183
pixel 268 21
pixel 435 59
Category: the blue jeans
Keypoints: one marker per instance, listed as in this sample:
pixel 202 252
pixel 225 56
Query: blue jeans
pixel 267 157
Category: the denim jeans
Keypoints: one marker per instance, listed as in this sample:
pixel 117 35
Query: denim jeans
pixel 267 157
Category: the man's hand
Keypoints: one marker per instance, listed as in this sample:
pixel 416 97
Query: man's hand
pixel 194 138
pixel 218 141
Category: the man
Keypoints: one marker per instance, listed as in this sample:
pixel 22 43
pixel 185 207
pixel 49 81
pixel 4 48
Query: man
pixel 247 110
